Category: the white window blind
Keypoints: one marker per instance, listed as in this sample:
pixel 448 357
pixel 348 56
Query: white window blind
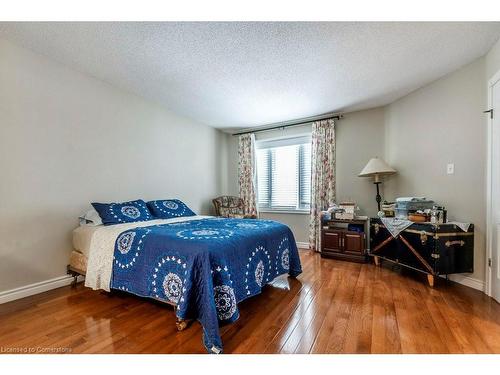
pixel 284 174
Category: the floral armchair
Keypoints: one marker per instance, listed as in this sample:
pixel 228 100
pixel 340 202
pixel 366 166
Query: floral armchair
pixel 228 206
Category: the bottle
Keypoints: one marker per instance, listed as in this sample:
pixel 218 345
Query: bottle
pixel 444 218
pixel 434 215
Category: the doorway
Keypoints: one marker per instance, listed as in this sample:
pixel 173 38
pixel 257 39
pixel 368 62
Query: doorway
pixel 493 195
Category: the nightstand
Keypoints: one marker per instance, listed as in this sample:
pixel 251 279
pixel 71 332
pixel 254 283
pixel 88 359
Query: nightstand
pixel 344 239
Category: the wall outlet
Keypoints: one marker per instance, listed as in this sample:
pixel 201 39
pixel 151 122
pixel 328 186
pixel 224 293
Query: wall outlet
pixel 450 168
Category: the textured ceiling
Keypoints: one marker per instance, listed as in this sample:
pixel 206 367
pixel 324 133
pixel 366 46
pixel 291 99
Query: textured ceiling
pixel 239 74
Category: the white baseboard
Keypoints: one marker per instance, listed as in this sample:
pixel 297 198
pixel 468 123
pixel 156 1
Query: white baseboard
pixel 467 281
pixel 303 245
pixel 40 287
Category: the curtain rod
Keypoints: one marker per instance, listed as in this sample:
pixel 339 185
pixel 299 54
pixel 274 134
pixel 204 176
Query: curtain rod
pixel 291 123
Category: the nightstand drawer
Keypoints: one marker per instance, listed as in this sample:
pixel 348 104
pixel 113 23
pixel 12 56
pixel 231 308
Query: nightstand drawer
pixel 332 240
pixel 354 242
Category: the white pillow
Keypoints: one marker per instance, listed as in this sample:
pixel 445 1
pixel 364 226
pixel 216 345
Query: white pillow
pixel 91 218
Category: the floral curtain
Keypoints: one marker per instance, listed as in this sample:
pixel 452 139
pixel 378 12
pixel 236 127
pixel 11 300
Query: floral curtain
pixel 247 172
pixel 322 176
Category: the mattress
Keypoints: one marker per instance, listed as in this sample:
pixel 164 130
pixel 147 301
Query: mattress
pixel 82 237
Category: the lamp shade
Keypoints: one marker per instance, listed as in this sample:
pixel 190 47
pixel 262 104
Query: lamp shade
pixel 376 167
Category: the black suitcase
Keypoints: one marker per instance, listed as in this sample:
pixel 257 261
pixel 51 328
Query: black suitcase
pixel 435 249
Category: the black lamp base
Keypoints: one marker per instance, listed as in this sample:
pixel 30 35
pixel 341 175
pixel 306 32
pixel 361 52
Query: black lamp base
pixel 378 198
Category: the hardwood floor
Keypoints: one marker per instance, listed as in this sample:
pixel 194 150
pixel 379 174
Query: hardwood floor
pixel 333 307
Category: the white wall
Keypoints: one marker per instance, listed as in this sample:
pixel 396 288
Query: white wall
pixel 438 124
pixel 359 137
pixel 67 139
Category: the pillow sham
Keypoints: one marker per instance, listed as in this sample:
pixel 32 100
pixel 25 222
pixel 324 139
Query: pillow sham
pixel 124 212
pixel 169 208
pixel 91 218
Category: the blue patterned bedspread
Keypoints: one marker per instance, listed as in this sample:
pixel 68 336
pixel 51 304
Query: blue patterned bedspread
pixel 205 267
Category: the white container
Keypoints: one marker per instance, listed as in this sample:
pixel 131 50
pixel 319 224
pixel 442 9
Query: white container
pixel 401 213
pixel 344 216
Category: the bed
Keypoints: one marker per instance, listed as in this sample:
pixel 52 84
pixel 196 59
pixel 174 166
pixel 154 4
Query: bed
pixel 204 266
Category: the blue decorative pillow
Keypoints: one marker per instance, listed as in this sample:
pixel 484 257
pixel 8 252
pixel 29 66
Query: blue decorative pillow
pixel 167 209
pixel 125 212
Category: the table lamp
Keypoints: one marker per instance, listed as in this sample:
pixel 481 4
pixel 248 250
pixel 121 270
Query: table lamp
pixel 377 168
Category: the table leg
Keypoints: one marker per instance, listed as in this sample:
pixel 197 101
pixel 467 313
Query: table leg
pixel 430 279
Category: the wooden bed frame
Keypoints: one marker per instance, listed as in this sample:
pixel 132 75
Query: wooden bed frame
pixel 181 324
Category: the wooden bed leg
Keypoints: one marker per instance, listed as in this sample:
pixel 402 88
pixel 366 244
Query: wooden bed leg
pixel 376 259
pixel 430 279
pixel 182 324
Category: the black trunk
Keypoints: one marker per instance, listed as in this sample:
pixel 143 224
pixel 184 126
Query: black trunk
pixel 436 249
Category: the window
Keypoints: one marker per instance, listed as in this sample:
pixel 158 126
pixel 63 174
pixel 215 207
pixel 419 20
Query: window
pixel 284 174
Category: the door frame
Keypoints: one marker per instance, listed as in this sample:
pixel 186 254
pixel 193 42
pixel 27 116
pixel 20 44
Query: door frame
pixel 489 222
